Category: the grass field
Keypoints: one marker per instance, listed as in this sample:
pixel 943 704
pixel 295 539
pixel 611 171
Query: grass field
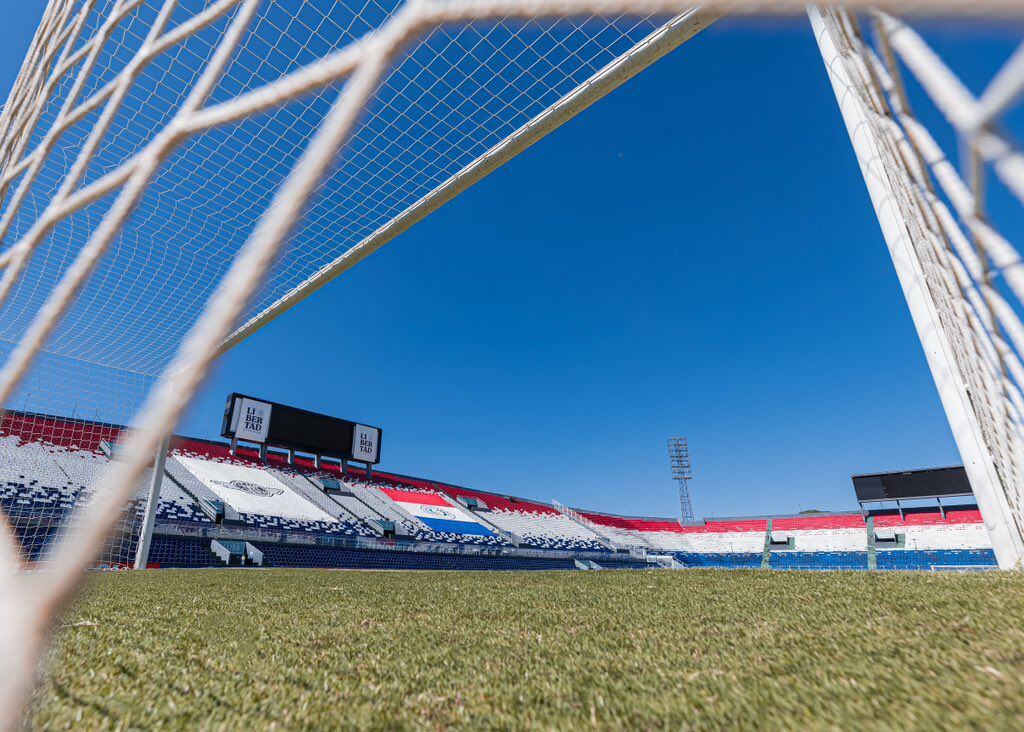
pixel 292 649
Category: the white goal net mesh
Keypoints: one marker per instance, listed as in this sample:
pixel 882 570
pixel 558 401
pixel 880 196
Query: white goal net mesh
pixel 106 79
pixel 176 173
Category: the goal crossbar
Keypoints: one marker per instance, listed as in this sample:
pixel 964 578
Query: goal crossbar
pixel 655 46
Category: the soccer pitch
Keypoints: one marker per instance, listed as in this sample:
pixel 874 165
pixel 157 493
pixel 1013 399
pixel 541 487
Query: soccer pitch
pixel 430 650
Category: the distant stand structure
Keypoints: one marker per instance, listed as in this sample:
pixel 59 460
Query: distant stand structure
pixel 682 472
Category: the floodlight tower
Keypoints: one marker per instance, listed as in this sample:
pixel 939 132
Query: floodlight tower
pixel 682 471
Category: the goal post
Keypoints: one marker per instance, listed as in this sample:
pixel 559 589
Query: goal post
pixel 889 183
pixel 152 502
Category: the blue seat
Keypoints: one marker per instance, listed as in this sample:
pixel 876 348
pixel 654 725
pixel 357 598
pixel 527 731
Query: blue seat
pixel 917 559
pixel 724 560
pixel 819 560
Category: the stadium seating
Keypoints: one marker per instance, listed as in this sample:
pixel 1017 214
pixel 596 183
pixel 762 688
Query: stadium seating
pixel 535 524
pixel 375 494
pixel 819 560
pixel 830 532
pixel 733 536
pixel 191 552
pixel 51 469
pixel 547 530
pixel 936 559
pixel 282 555
pixel 352 514
pixel 182 552
pixel 721 560
pixel 49 465
pixel 358 509
pixel 927 528
pixel 272 496
pixel 827 541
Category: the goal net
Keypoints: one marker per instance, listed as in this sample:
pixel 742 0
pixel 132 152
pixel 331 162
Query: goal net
pixel 175 174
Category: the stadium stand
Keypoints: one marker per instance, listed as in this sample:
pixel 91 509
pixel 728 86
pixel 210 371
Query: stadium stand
pixel 534 524
pixel 435 513
pixel 357 508
pixel 300 514
pixel 734 536
pixel 819 560
pixel 379 503
pixel 720 560
pixel 181 552
pixel 829 541
pixel 296 556
pixel 44 477
pixel 936 559
pixel 927 528
pixel 386 499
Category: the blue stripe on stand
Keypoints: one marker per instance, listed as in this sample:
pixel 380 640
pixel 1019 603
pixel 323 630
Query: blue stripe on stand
pixel 447 526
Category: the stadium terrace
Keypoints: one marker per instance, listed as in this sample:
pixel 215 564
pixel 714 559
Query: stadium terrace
pixel 221 508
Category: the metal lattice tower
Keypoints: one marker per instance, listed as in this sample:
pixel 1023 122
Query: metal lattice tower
pixel 682 471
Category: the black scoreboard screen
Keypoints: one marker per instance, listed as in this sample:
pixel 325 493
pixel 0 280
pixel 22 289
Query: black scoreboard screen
pixel 308 429
pixel 257 420
pixel 933 483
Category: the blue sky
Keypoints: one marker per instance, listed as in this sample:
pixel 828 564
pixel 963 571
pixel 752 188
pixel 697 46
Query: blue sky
pixel 694 255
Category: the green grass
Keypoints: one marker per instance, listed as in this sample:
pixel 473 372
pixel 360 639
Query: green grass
pixel 287 649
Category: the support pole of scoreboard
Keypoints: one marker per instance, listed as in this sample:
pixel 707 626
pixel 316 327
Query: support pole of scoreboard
pixel 1007 541
pixel 152 501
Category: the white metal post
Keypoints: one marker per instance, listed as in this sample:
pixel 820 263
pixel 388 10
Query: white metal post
pixel 995 509
pixel 152 501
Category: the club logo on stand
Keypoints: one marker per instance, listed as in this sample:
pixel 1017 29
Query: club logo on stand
pixel 253 489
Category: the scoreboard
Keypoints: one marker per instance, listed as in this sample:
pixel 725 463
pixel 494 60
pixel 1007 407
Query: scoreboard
pixel 278 425
pixel 910 484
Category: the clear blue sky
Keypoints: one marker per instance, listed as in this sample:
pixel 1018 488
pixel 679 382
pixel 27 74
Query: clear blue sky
pixel 694 255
